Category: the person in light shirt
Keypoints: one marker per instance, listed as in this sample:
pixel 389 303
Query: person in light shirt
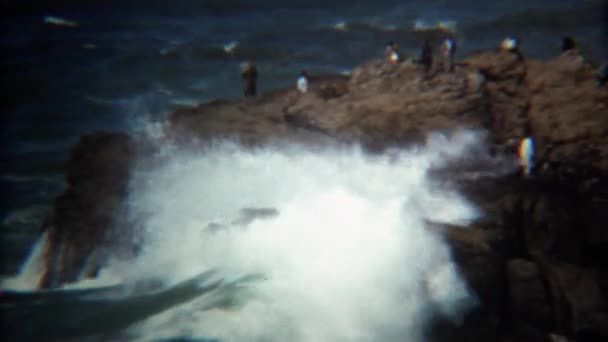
pixel 511 44
pixel 508 44
pixel 302 83
pixel 392 52
pixel 448 50
pixel 526 155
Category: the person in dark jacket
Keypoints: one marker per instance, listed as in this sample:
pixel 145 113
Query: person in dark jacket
pixel 602 75
pixel 568 44
pixel 249 75
pixel 426 56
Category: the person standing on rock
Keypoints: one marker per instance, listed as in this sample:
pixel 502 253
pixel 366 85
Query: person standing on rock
pixel 526 155
pixel 392 52
pixel 448 50
pixel 249 76
pixel 302 83
pixel 570 49
pixel 426 56
pixel 602 75
pixel 510 44
pixel 568 44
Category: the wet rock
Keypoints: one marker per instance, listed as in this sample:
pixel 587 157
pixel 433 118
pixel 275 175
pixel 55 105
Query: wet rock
pixel 84 215
pixel 580 308
pixel 528 298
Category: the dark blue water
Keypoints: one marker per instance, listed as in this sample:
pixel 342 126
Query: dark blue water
pixel 128 62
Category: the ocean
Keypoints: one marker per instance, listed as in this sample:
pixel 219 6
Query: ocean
pixel 75 67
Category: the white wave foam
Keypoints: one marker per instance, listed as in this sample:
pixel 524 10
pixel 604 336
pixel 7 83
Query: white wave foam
pixel 31 271
pixel 442 25
pixel 58 21
pixel 339 235
pixel 341 26
pixel 230 47
pixel 185 102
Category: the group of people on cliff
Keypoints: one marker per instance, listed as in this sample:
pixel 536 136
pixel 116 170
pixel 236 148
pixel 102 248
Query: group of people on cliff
pixel 447 52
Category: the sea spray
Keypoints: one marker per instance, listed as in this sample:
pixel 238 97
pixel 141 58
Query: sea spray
pixel 343 247
pixel 33 268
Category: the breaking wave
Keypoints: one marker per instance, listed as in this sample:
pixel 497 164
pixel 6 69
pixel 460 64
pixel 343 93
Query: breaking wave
pixel 338 235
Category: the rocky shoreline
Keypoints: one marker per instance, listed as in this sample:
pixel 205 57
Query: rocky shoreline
pixel 535 260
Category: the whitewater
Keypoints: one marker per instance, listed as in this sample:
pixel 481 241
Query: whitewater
pixel 339 236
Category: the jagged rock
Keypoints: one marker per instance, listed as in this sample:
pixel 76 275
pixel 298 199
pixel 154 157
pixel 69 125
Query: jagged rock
pixel 474 250
pixel 552 211
pixel 529 300
pixel 568 114
pixel 579 305
pixel 505 93
pixel 97 176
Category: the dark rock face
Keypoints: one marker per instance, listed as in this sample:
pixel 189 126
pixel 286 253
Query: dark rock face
pixel 536 258
pixel 529 297
pixel 97 176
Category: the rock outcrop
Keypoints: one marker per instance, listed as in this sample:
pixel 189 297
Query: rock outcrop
pixel 97 177
pixel 536 258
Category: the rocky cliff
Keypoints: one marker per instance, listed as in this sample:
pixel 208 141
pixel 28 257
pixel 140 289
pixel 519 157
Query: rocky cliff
pixel 536 258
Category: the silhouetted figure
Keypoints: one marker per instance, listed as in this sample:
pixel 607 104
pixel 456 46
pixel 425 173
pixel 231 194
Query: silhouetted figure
pixel 570 49
pixel 426 56
pixel 302 83
pixel 249 75
pixel 448 50
pixel 602 75
pixel 392 52
pixel 568 44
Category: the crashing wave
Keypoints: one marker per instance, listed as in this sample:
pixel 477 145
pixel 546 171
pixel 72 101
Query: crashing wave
pixel 340 237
